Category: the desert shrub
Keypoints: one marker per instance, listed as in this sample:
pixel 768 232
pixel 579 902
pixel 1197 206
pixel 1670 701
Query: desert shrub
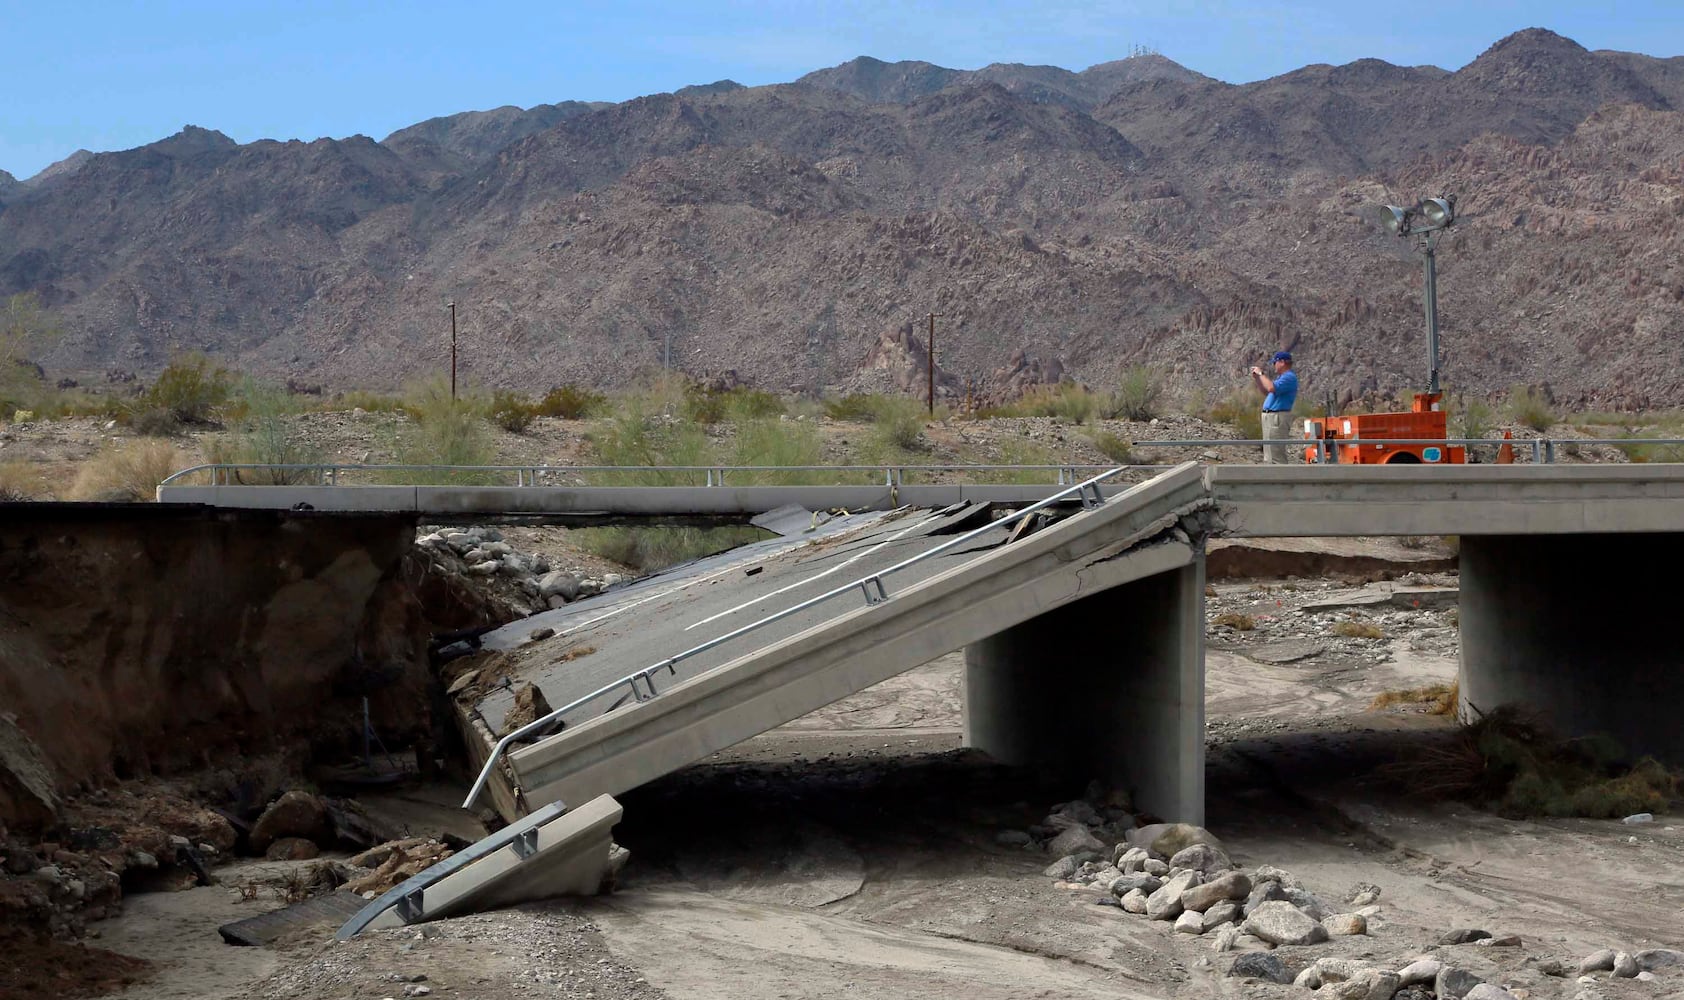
pixel 1067 402
pixel 1114 447
pixel 1471 418
pixel 443 431
pixel 569 402
pixel 1235 620
pixel 369 402
pixel 1358 630
pixel 750 404
pixel 511 411
pixel 1510 761
pixel 126 472
pixel 637 437
pixel 190 389
pixel 1241 409
pixel 1138 394
pixel 704 407
pixel 899 423
pixel 858 408
pixel 649 550
pixel 762 441
pixel 152 421
pixel 266 436
pixel 1528 407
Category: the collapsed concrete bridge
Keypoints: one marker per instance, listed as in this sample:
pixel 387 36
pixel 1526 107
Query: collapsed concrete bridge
pixel 1107 601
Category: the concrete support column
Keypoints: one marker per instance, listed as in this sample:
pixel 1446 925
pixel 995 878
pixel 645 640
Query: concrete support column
pixel 1110 687
pixel 1580 628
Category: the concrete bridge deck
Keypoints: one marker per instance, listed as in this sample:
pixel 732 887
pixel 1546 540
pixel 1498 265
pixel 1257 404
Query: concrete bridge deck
pixel 1108 601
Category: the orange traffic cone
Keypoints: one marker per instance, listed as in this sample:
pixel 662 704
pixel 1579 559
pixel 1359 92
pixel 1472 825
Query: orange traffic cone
pixel 1505 451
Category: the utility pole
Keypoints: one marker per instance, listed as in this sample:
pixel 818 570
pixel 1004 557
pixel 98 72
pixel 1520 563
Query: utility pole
pixel 452 305
pixel 1430 264
pixel 932 369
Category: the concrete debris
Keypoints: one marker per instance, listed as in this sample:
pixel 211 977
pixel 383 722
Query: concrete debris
pixel 530 706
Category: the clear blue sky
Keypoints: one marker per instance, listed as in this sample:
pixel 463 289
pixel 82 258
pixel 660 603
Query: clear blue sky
pixel 108 75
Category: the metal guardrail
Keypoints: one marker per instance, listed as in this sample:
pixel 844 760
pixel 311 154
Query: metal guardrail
pixel 527 475
pixel 1543 451
pixel 408 897
pixel 871 586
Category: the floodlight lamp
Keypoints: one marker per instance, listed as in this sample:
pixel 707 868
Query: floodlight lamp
pixel 1440 212
pixel 1395 219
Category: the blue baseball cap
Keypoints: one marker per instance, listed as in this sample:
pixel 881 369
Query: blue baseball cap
pixel 1282 356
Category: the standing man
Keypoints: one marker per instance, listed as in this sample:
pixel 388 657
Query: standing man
pixel 1279 393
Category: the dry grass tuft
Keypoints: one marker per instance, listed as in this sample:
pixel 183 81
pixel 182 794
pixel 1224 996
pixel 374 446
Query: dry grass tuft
pixel 1438 699
pixel 20 481
pixel 129 472
pixel 1235 620
pixel 1358 630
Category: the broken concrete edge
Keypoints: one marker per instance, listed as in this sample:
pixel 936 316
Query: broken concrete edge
pixel 555 851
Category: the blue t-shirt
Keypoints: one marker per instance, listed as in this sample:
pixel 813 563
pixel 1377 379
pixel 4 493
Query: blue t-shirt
pixel 1285 394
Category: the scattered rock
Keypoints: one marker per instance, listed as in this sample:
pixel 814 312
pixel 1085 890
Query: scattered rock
pixel 1370 984
pixel 1134 901
pixel 1412 993
pixel 1206 860
pixel 1142 881
pixel 295 814
pixel 540 634
pixel 1063 868
pixel 1225 912
pixel 1261 965
pixel 1190 922
pixel 1637 818
pixel 1165 904
pixel 1307 901
pixel 1625 966
pixel 1225 937
pixel 1506 941
pixel 1153 866
pixel 1486 991
pixel 1658 958
pixel 1598 961
pixel 1229 886
pixel 1464 935
pixel 1309 979
pixel 1076 839
pixel 1453 983
pixel 559 583
pixel 1263 893
pixel 1422 970
pixel 1345 924
pixel 1129 859
pixel 1336 970
pixel 1553 967
pixel 1280 922
pixel 1012 838
pixel 292 849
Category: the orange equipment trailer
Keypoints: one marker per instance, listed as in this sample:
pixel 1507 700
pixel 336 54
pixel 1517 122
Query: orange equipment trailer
pixel 1347 440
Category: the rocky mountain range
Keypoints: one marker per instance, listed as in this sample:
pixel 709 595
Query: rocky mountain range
pixel 1135 213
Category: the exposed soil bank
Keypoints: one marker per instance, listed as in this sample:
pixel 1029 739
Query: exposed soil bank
pixel 144 639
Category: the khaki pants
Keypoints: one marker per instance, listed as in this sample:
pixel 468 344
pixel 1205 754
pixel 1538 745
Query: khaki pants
pixel 1277 427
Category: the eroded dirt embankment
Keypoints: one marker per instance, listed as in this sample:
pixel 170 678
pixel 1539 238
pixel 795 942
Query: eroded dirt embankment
pixel 142 640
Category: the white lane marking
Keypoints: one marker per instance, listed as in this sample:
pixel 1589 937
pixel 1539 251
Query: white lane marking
pixel 897 536
pixel 734 567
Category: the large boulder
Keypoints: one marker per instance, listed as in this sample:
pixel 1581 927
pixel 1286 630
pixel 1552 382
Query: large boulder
pixel 292 849
pixel 1279 922
pixel 295 814
pixel 1422 970
pixel 1203 858
pixel 1658 958
pixel 1345 924
pixel 1167 839
pixel 559 583
pixel 1228 886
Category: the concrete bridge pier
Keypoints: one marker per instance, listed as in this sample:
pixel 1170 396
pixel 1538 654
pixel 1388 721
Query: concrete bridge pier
pixel 1110 686
pixel 1582 628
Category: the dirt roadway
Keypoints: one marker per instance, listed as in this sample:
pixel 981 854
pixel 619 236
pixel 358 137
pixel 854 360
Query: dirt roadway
pixel 853 854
